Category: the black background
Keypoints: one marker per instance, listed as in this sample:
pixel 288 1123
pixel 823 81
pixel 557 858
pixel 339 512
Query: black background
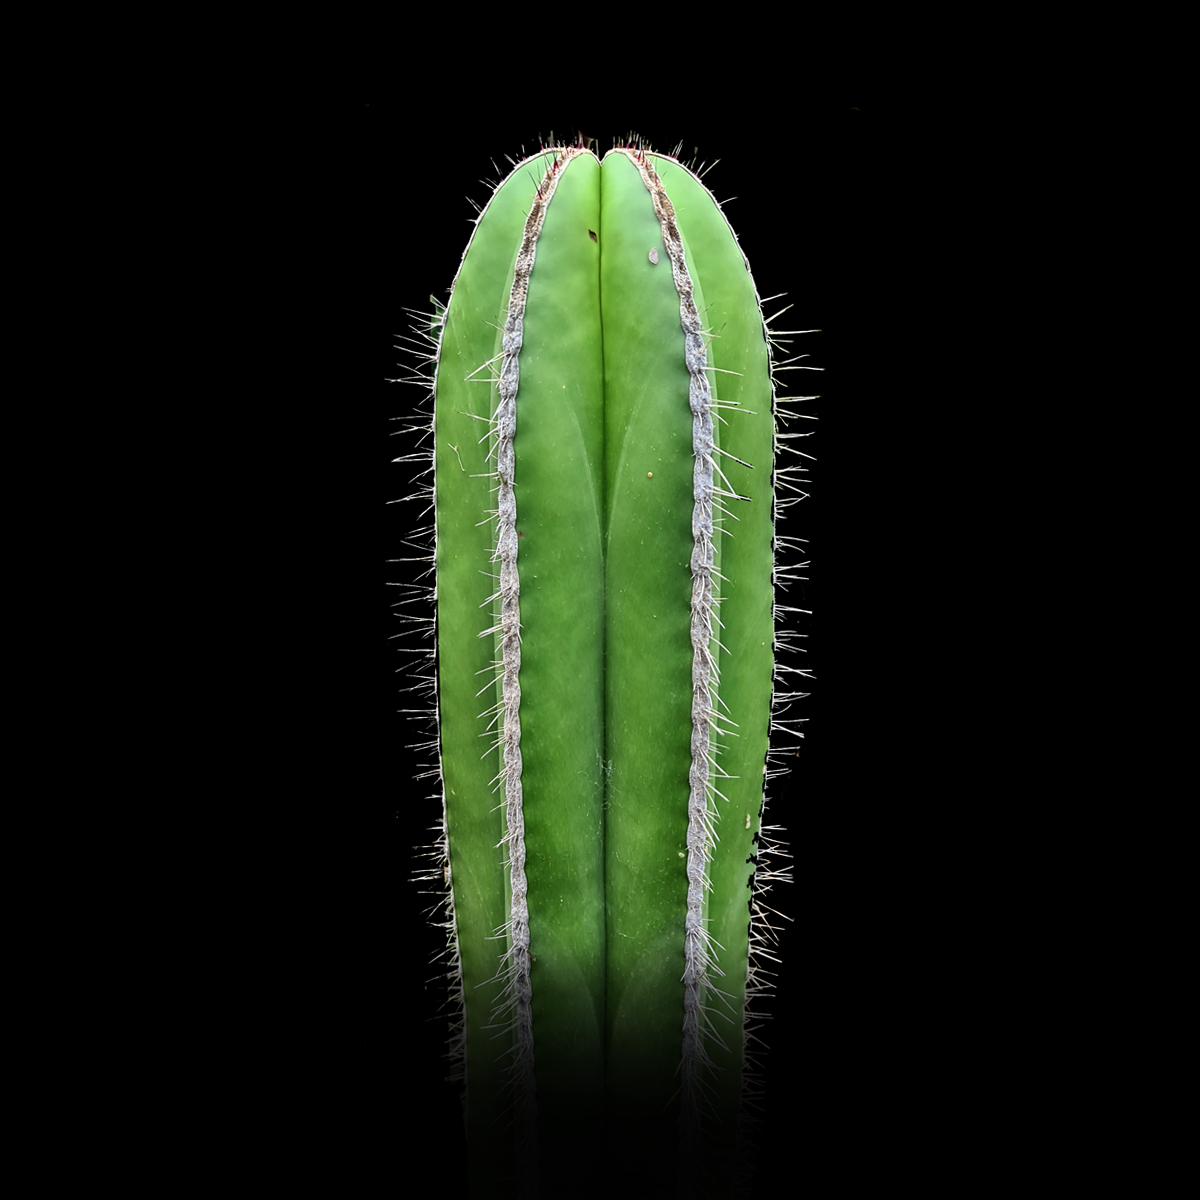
pixel 870 991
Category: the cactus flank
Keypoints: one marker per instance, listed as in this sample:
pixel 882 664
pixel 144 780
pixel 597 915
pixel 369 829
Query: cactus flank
pixel 605 429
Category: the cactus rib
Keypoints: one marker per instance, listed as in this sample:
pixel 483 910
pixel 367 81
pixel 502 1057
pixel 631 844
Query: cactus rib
pixel 518 989
pixel 697 960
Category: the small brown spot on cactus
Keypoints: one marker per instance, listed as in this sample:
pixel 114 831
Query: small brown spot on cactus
pixel 592 235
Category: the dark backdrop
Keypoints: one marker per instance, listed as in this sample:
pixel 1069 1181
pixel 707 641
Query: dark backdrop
pixel 863 989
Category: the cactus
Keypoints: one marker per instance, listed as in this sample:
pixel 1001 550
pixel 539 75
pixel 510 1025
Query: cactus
pixel 604 439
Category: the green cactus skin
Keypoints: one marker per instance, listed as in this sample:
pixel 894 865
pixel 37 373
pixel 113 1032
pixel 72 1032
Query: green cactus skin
pixel 604 447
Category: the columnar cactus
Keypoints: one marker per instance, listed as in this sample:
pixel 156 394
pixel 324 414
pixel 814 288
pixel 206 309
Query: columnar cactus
pixel 604 447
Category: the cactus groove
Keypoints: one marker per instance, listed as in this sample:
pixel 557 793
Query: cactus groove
pixel 605 491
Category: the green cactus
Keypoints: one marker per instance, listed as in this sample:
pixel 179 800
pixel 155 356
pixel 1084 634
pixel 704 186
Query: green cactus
pixel 605 503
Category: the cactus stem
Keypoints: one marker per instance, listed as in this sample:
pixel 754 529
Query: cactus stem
pixel 512 1012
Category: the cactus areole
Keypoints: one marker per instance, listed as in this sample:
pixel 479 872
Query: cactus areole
pixel 605 487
